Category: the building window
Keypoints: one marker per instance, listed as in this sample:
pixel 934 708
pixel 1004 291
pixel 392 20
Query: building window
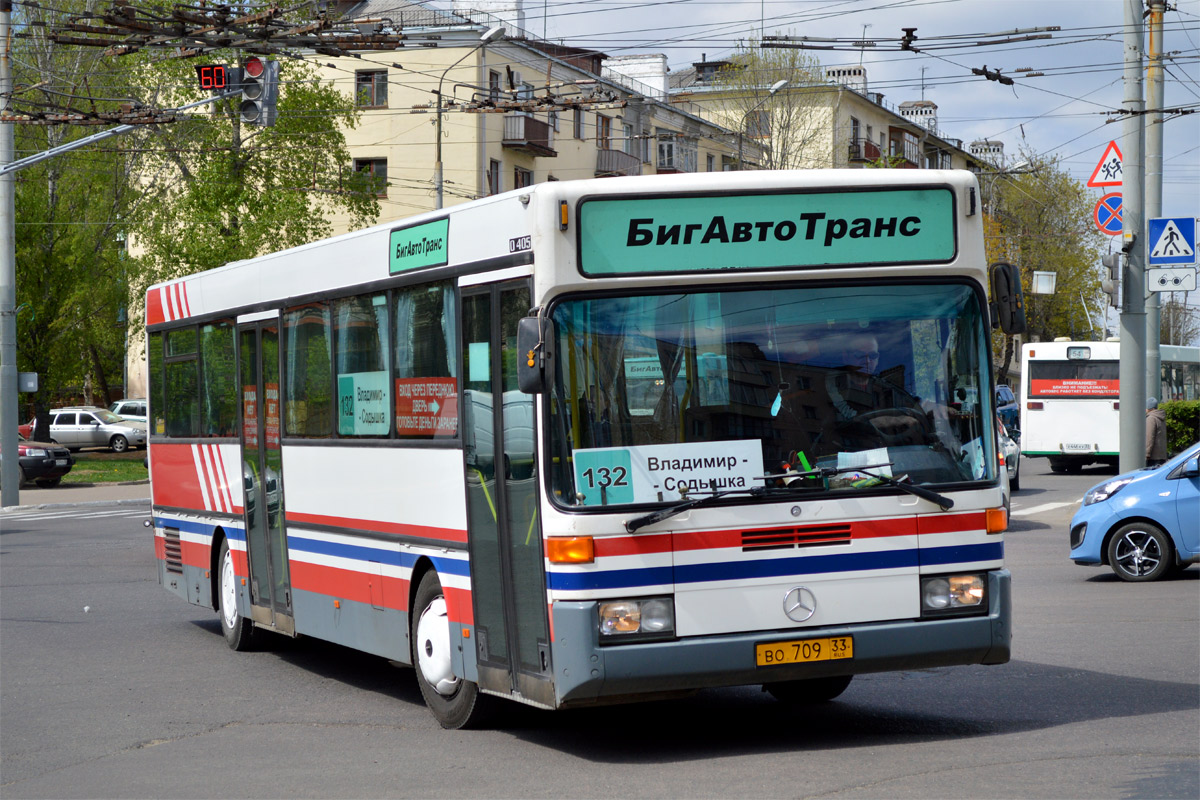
pixel 494 85
pixel 758 124
pixel 628 142
pixel 579 123
pixel 855 130
pixel 710 163
pixel 376 171
pixel 603 132
pixel 370 89
pixel 522 177
pixel 493 177
pixel 676 153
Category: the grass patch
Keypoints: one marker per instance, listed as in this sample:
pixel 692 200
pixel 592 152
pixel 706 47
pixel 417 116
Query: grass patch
pixel 104 466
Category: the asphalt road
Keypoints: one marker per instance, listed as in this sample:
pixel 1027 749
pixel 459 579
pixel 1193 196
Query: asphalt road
pixel 113 688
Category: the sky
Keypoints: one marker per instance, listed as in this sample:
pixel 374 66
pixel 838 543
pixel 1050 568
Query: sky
pixel 1063 112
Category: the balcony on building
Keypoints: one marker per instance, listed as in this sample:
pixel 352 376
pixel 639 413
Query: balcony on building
pixel 863 150
pixel 526 134
pixel 616 162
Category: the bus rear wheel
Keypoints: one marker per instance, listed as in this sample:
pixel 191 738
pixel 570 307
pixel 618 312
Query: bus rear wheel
pixel 455 702
pixel 238 631
pixel 809 692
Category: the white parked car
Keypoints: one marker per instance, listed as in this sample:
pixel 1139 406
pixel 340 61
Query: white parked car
pixel 133 409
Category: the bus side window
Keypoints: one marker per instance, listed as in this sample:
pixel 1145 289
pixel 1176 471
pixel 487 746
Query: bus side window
pixel 308 402
pixel 181 402
pixel 218 381
pixel 426 368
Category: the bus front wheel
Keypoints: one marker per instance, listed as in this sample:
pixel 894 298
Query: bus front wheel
pixel 811 691
pixel 455 702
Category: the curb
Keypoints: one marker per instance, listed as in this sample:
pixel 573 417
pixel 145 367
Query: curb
pixel 141 501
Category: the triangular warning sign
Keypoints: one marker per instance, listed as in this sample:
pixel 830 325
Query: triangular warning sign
pixel 1171 242
pixel 1108 172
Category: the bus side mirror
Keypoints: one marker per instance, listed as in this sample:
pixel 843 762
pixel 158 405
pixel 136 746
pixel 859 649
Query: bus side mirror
pixel 535 337
pixel 1008 301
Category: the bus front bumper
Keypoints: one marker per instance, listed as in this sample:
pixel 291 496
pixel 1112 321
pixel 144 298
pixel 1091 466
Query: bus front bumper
pixel 594 674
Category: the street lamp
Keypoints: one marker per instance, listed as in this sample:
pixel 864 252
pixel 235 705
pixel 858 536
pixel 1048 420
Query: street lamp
pixel 489 35
pixel 775 87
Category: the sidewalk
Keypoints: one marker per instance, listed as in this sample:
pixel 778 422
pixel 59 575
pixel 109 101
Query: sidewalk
pixel 68 494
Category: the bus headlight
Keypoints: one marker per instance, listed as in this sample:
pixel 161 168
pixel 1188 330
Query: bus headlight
pixel 653 616
pixel 951 594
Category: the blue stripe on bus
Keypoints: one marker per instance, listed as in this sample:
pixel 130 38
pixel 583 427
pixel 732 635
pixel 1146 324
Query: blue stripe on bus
pixel 201 528
pixel 365 554
pixel 807 565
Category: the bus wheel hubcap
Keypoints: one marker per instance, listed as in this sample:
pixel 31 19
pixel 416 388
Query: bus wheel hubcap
pixel 433 648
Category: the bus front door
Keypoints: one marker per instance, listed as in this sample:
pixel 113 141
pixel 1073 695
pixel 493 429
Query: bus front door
pixel 262 476
pixel 507 573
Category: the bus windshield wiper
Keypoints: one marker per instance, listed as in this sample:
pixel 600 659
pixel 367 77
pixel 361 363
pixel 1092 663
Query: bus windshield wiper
pixel 683 505
pixel 943 502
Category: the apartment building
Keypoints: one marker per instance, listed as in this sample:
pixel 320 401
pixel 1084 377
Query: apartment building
pixel 514 110
pixel 847 124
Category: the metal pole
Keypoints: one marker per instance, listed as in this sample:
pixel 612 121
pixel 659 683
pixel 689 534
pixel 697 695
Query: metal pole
pixel 9 474
pixel 1133 300
pixel 437 149
pixel 1154 167
pixel 488 35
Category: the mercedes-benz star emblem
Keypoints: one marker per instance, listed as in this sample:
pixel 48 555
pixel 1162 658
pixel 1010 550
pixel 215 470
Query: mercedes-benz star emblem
pixel 799 603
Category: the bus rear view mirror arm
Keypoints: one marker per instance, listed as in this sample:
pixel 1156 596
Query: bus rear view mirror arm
pixel 1008 300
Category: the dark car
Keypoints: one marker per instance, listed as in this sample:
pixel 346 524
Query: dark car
pixel 1007 406
pixel 43 463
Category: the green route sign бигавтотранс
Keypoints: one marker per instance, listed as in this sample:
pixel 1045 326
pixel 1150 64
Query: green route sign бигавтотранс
pixel 419 246
pixel 627 236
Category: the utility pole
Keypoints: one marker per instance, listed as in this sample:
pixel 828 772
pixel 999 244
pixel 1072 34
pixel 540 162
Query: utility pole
pixel 1133 301
pixel 9 473
pixel 1154 175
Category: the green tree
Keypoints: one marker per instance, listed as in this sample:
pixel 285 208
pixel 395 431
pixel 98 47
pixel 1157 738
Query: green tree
pixel 222 191
pixel 792 126
pixel 72 213
pixel 1039 219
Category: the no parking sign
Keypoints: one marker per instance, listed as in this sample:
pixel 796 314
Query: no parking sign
pixel 1107 214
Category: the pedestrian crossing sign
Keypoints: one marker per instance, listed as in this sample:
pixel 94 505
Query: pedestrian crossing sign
pixel 1172 241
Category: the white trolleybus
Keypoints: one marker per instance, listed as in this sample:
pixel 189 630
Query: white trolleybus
pixel 1070 398
pixel 600 441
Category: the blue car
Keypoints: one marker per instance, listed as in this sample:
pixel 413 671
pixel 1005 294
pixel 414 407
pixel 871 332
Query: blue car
pixel 1143 524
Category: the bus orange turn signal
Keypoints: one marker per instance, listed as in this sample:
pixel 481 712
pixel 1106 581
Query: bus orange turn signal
pixel 997 520
pixel 570 549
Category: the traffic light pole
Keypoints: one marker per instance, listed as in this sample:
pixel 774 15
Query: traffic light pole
pixel 1133 300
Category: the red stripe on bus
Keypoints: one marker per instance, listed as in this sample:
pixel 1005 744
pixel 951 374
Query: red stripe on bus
pixel 458 606
pixel 175 480
pixel 713 540
pixel 154 309
pixel 345 584
pixel 195 554
pixel 952 523
pixel 380 526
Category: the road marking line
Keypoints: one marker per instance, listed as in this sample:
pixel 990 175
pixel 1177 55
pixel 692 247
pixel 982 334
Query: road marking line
pixel 1024 512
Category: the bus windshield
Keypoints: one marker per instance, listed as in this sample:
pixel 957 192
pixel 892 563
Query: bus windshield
pixel 660 395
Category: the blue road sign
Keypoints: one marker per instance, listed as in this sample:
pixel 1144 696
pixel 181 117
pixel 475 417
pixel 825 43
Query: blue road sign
pixel 1107 214
pixel 1172 241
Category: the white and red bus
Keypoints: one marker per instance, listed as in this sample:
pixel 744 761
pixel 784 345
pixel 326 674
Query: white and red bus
pixel 1070 398
pixel 598 441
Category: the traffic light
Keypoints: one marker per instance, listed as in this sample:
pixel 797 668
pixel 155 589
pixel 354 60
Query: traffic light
pixel 1111 284
pixel 260 91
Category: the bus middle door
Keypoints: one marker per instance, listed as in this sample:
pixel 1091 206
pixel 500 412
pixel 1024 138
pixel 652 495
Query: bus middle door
pixel 262 474
pixel 507 572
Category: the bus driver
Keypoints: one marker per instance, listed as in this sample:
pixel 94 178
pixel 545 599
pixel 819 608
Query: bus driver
pixel 870 410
